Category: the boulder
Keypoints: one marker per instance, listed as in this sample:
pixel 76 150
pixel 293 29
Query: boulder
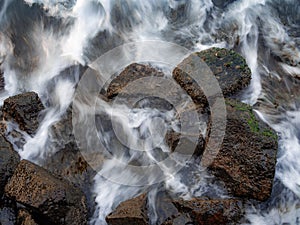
pixel 129 74
pixel 229 68
pixel 247 158
pixel 46 195
pixel 9 160
pixel 24 109
pixel 132 212
pixel 25 218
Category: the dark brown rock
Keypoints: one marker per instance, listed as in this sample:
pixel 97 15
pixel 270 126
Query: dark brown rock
pixel 219 211
pixel 24 109
pixel 46 195
pixel 229 68
pixel 129 74
pixel 131 212
pixel 68 162
pixel 175 211
pixel 247 158
pixel 25 218
pixel 9 160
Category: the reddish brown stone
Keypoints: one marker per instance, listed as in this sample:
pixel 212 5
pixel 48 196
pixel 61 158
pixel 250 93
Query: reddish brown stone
pixel 55 199
pixel 247 158
pixel 132 212
pixel 24 109
pixel 129 74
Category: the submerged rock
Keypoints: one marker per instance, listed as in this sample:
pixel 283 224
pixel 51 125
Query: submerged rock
pixel 47 196
pixel 9 160
pixel 229 68
pixel 132 211
pixel 24 109
pixel 247 158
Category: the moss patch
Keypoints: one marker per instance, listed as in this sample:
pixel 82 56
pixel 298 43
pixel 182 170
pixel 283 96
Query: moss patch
pixel 251 119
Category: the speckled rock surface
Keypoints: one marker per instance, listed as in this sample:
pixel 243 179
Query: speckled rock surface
pixel 46 195
pixel 247 158
pixel 24 109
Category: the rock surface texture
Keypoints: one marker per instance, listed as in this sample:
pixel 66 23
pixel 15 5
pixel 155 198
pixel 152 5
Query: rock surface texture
pixel 247 158
pixel 9 160
pixel 24 109
pixel 50 198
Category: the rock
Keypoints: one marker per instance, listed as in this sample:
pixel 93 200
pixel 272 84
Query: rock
pixel 9 160
pixel 7 211
pixel 132 212
pixel 129 74
pixel 176 211
pixel 247 158
pixel 25 218
pixel 68 162
pixel 230 69
pixel 202 212
pixel 46 195
pixel 24 109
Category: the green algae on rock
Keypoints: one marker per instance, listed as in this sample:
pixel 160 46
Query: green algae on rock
pixel 247 158
pixel 229 68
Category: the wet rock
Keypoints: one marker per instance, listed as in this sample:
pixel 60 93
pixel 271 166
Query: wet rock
pixel 229 68
pixel 247 158
pixel 9 160
pixel 202 211
pixel 175 211
pixel 25 218
pixel 7 211
pixel 24 109
pixel 46 195
pixel 132 212
pixel 129 74
pixel 67 162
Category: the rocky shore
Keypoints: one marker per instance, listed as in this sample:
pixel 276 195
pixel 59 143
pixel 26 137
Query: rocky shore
pixel 57 190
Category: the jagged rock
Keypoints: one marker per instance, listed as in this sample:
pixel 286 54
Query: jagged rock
pixel 24 109
pixel 129 74
pixel 68 162
pixel 131 212
pixel 8 211
pixel 25 218
pixel 46 195
pixel 9 160
pixel 229 68
pixel 247 158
